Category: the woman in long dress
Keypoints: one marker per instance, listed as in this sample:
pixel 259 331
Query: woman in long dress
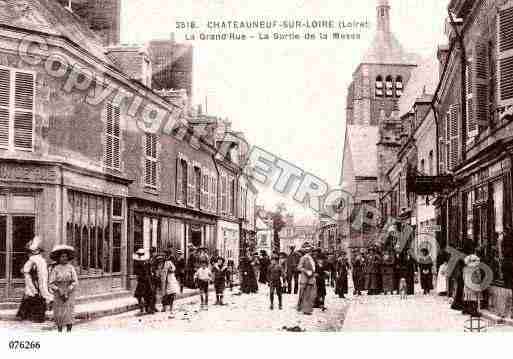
pixel 169 285
pixel 63 281
pixel 36 295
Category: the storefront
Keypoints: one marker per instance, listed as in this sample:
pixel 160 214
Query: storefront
pixel 478 213
pixel 228 240
pixel 167 227
pixel 62 204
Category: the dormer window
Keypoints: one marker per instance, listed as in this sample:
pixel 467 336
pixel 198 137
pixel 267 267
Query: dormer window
pixel 398 86
pixel 379 86
pixel 389 86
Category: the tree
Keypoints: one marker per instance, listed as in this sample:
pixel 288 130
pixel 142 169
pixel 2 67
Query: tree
pixel 278 224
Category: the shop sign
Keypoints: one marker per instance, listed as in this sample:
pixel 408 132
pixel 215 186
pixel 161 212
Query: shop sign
pixel 28 173
pixel 426 185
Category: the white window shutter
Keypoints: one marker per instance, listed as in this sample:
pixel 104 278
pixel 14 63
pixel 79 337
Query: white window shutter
pixel 24 110
pixel 505 54
pixel 454 133
pixel 5 100
pixel 472 130
pixel 112 136
pixel 190 185
pixel 179 185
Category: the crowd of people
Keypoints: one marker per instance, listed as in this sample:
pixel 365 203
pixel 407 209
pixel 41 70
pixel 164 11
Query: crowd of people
pixel 306 272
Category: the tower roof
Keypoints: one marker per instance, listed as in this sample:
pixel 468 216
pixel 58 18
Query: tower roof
pixel 385 48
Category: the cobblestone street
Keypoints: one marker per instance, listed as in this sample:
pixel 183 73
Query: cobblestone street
pixel 390 313
pixel 246 313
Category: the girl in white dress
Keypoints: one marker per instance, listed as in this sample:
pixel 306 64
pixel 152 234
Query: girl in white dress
pixel 441 281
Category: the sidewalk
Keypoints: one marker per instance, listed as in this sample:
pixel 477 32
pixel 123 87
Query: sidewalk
pixel 88 311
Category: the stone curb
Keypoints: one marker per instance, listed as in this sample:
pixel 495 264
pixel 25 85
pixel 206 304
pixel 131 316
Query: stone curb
pixel 86 316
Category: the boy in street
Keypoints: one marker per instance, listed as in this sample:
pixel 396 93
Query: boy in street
pixel 276 275
pixel 203 277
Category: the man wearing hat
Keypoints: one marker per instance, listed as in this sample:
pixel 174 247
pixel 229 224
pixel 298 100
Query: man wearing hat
pixel 37 295
pixel 180 269
pixel 292 272
pixel 307 287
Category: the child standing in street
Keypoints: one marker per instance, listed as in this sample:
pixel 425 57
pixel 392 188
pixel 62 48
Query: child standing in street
pixel 203 277
pixel 230 271
pixel 219 270
pixel 276 275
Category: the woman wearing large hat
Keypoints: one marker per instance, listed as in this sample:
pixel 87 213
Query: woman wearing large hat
pixel 36 295
pixel 63 281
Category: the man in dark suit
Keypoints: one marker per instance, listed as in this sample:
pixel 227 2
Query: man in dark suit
pixel 292 272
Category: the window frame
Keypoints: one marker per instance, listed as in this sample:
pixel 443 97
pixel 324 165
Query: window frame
pixel 11 108
pixel 153 159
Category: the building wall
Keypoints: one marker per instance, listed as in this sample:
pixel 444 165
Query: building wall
pixel 102 16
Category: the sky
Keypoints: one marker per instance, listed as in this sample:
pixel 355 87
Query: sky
pixel 288 96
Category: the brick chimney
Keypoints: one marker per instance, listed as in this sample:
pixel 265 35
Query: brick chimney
pixel 133 60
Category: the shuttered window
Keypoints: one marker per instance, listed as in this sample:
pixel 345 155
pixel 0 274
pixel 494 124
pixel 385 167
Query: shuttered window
pixel 224 195
pixel 190 185
pixel 505 61
pixel 16 109
pixel 453 136
pixel 213 193
pixel 179 176
pixel 112 137
pixel 150 160
pixel 481 83
pixel 471 118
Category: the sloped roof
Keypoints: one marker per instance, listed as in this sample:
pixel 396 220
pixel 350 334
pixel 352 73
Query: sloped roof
pixel 361 150
pixel 422 84
pixel 48 16
pixel 386 49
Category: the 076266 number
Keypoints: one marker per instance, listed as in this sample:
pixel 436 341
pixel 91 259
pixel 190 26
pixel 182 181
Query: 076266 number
pixel 24 345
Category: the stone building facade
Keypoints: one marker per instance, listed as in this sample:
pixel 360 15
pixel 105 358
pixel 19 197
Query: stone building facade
pixel 475 108
pixel 82 161
pixel 378 83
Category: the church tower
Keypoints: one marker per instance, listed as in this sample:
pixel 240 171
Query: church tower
pixel 371 110
pixel 380 78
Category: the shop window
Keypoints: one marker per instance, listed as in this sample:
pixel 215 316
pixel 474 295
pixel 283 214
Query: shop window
pixel 117 207
pixel 17 94
pixel 23 230
pixel 89 230
pixel 22 204
pixel 116 247
pixel 379 86
pixel 496 256
pixel 3 247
